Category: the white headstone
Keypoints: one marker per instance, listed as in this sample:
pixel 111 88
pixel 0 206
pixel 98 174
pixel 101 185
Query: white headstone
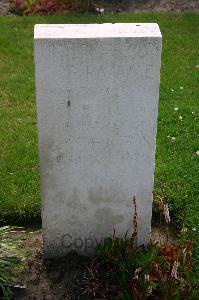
pixel 97 100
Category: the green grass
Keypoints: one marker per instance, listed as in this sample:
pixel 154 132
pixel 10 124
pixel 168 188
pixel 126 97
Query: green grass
pixel 177 164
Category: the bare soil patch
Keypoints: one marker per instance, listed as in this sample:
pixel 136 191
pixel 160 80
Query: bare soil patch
pixel 149 5
pixel 131 6
pixel 55 279
pixel 4 7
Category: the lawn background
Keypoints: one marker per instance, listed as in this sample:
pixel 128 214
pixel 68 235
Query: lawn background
pixel 177 163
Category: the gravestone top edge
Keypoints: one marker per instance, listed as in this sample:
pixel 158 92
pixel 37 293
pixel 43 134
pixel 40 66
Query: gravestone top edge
pixel 105 30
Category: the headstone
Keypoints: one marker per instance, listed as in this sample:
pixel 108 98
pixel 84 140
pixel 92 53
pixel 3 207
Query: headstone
pixel 97 101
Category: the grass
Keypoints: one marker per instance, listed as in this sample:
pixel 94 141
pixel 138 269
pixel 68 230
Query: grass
pixel 177 163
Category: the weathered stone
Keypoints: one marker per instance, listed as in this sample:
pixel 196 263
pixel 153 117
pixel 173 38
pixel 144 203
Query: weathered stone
pixel 97 101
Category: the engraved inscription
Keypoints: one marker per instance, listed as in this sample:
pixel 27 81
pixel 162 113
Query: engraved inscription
pixel 100 128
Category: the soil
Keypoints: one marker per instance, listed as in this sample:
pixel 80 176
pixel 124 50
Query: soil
pixel 131 6
pixel 148 5
pixel 55 279
pixel 4 7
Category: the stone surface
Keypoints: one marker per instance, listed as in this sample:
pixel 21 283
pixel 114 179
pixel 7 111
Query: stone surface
pixel 97 101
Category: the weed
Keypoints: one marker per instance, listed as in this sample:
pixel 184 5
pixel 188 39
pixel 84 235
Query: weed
pixel 47 7
pixel 122 270
pixel 7 264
